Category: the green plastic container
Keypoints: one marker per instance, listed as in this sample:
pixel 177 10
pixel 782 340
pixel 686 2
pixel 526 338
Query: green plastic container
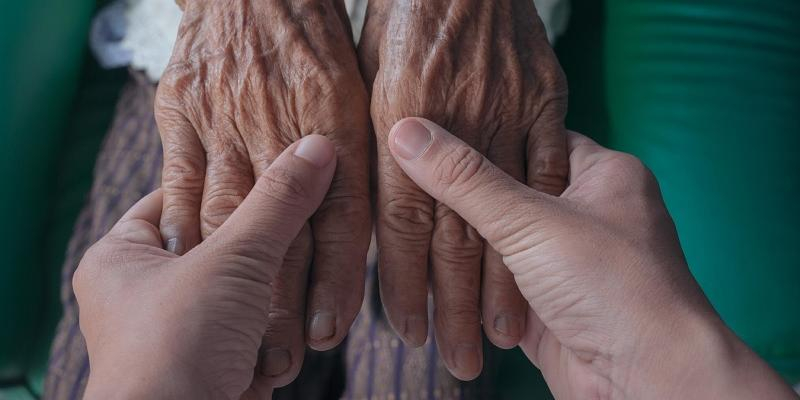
pixel 42 43
pixel 707 93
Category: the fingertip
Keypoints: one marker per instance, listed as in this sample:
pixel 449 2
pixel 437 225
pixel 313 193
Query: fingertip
pixel 409 138
pixel 467 362
pixel 505 330
pixel 178 238
pixel 318 150
pixel 415 331
pixel 147 208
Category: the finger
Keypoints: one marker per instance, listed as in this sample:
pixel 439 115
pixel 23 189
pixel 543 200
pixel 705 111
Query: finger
pixel 182 180
pixel 140 223
pixel 456 265
pixel 548 162
pixel 503 210
pixel 503 307
pixel 147 209
pixel 258 390
pixel 228 180
pixel 341 228
pixel 371 38
pixel 282 200
pixel 531 344
pixel 404 228
pixel 283 346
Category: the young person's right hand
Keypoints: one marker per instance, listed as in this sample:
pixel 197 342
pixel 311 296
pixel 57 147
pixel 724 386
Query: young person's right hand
pixel 614 311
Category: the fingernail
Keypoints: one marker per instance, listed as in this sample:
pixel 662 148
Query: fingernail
pixel 315 149
pixel 175 246
pixel 415 331
pixel 508 325
pixel 275 362
pixel 467 359
pixel 322 326
pixel 411 139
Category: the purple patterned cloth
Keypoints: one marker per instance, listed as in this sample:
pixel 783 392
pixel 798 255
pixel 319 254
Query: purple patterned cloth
pixel 372 364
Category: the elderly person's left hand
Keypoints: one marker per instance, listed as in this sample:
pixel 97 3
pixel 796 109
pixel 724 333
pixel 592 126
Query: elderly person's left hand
pixel 159 325
pixel 246 79
pixel 485 70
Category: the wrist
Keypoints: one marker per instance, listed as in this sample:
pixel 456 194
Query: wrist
pixel 127 378
pixel 700 358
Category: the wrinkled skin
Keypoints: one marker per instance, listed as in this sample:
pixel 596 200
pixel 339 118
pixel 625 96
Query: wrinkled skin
pixel 484 70
pixel 247 79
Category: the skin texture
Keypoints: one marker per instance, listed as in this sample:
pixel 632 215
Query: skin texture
pixel 163 326
pixel 484 70
pixel 246 79
pixel 614 311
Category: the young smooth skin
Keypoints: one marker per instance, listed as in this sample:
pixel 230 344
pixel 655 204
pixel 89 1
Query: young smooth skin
pixel 614 311
pixel 159 325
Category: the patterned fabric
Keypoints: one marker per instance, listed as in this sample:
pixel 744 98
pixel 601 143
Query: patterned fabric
pixel 126 169
pixel 375 364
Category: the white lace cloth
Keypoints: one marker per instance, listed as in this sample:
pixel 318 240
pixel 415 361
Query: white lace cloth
pixel 153 25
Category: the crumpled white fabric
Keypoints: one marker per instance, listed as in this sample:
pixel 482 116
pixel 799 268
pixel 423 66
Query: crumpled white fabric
pixel 153 27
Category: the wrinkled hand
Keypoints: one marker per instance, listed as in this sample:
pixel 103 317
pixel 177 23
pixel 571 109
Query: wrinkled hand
pixel 246 79
pixel 614 311
pixel 484 70
pixel 162 326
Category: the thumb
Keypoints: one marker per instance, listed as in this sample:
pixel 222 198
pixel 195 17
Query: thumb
pixel 503 210
pixel 280 203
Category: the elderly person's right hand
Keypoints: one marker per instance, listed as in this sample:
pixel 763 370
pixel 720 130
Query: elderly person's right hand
pixel 614 312
pixel 247 79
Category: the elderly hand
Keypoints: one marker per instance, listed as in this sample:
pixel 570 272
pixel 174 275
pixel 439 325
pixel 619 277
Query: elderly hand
pixel 158 325
pixel 246 79
pixel 485 70
pixel 614 311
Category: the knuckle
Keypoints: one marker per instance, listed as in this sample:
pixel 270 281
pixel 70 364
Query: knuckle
pixel 409 217
pixel 459 167
pixel 91 265
pixel 461 312
pixel 219 203
pixel 458 255
pixel 249 261
pixel 349 207
pixel 550 170
pixel 183 171
pixel 180 209
pixel 282 185
pixel 630 167
pixel 454 241
pixel 631 178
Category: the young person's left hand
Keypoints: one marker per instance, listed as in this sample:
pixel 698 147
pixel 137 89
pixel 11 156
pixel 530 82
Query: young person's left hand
pixel 158 325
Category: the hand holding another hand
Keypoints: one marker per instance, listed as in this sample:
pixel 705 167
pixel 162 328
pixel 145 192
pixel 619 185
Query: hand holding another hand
pixel 613 310
pixel 246 80
pixel 159 325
